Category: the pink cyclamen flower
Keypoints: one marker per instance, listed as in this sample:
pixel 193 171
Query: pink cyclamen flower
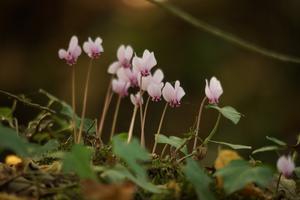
pixel 93 48
pixel 286 166
pixel 173 95
pixel 136 99
pixel 71 55
pixel 128 75
pixel 145 63
pixel 156 78
pixel 120 87
pixel 124 55
pixel 154 91
pixel 213 90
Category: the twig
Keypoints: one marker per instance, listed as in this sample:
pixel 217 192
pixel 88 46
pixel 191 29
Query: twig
pixel 199 24
pixel 22 100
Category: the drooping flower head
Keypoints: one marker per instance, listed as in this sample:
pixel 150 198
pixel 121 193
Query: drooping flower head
pixel 120 87
pixel 124 55
pixel 128 75
pixel 156 78
pixel 213 90
pixel 136 99
pixel 173 95
pixel 145 63
pixel 154 91
pixel 93 48
pixel 285 165
pixel 72 53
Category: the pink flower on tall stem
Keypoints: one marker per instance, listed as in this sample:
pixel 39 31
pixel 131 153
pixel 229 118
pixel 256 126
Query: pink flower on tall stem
pixel 120 87
pixel 154 91
pixel 173 95
pixel 156 78
pixel 72 53
pixel 93 48
pixel 213 90
pixel 145 63
pixel 124 55
pixel 285 166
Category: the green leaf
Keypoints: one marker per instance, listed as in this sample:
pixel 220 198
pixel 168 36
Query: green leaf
pixel 79 161
pixel 173 141
pixel 266 148
pixel 276 141
pixel 89 126
pixel 199 179
pixel 297 172
pixel 119 173
pixel 9 139
pixel 132 154
pixel 239 173
pixel 233 146
pixel 6 113
pixel 228 112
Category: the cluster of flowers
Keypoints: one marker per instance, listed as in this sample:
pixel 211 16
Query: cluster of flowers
pixel 131 71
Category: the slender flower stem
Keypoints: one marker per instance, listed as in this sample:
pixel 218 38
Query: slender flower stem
pixel 185 157
pixel 198 123
pixel 164 150
pixel 107 101
pixel 74 104
pixel 142 129
pixel 278 182
pixel 212 133
pixel 113 127
pixel 86 89
pixel 159 127
pixel 145 112
pixel 130 131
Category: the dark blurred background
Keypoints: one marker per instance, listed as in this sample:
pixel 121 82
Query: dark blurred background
pixel 265 90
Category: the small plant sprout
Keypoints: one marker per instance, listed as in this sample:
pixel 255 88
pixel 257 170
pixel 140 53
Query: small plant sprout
pixel 93 50
pixel 137 101
pixel 120 87
pixel 213 90
pixel 145 63
pixel 286 167
pixel 172 96
pixel 124 55
pixel 70 56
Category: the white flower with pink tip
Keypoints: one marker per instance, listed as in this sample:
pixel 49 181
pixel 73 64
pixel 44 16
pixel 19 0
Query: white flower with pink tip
pixel 286 166
pixel 173 95
pixel 136 99
pixel 213 90
pixel 154 91
pixel 71 55
pixel 120 87
pixel 156 78
pixel 128 75
pixel 93 48
pixel 124 55
pixel 145 63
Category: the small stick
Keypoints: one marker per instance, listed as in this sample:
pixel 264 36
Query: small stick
pixel 198 123
pixel 278 182
pixel 130 131
pixel 74 103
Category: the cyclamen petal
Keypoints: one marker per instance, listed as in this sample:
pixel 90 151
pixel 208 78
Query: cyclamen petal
pixel 144 64
pixel 128 75
pixel 154 91
pixel 213 90
pixel 93 48
pixel 136 99
pixel 173 95
pixel 120 87
pixel 124 55
pixel 113 68
pixel 286 166
pixel 71 55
